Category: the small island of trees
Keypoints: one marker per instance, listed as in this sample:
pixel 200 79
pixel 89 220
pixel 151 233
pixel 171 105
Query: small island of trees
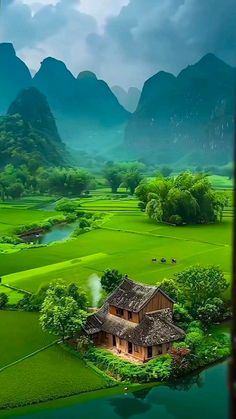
pixel 186 199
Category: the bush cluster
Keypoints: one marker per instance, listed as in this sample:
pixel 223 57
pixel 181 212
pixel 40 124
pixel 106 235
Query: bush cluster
pixel 157 369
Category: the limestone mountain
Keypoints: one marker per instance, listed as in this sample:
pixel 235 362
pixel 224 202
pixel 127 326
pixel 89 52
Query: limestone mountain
pixel 28 133
pixel 33 107
pixel 128 99
pixel 186 118
pixel 14 76
pixel 88 113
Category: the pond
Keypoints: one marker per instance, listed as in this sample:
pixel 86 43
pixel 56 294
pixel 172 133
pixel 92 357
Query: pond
pixel 57 233
pixel 200 396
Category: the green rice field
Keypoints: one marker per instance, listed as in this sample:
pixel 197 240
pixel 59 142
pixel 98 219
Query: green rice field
pixel 49 374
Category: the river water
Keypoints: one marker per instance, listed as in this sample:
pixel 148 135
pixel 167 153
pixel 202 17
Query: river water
pixel 57 233
pixel 200 396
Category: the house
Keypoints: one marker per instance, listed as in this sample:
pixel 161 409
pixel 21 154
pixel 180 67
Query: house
pixel 136 320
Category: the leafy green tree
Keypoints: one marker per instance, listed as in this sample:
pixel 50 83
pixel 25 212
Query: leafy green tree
pixel 60 313
pixel 181 314
pixel 132 179
pixel 110 280
pixel 3 300
pixel 188 198
pixel 197 284
pixel 113 175
pixel 168 286
pixel 15 190
pixel 78 295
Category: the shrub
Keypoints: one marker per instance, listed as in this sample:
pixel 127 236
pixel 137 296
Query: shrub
pixel 3 300
pixel 156 369
pixel 176 219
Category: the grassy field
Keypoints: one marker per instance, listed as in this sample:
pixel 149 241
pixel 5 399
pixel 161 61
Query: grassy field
pixel 20 335
pixel 13 296
pixel 49 374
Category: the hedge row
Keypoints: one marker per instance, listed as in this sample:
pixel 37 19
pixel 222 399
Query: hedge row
pixel 157 369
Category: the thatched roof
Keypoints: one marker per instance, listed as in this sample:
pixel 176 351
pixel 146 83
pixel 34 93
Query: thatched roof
pixel 132 296
pixel 155 328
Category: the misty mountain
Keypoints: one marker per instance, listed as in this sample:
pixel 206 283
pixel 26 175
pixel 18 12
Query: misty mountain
pixel 189 117
pixel 128 99
pixel 33 107
pixel 14 76
pixel 28 133
pixel 88 114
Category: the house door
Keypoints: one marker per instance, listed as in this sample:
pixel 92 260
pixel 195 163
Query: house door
pixel 113 340
pixel 149 352
pixel 130 348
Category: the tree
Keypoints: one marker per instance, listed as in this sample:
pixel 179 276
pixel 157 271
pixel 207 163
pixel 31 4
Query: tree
pixel 61 314
pixel 132 179
pixel 168 286
pixel 78 295
pixel 3 300
pixel 186 199
pixel 197 284
pixel 15 190
pixel 213 311
pixel 113 176
pixel 110 280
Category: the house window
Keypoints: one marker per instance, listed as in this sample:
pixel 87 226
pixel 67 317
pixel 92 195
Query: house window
pixel 136 348
pixel 119 312
pixel 129 315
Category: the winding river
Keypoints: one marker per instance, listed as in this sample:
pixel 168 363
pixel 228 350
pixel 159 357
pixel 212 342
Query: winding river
pixel 200 396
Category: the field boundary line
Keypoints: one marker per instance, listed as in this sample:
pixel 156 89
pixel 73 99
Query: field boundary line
pixel 164 236
pixel 29 355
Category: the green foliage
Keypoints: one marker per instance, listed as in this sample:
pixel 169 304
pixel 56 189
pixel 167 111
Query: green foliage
pixel 166 171
pixel 21 144
pixel 3 300
pixel 157 369
pixel 113 176
pixel 169 287
pixel 66 205
pixel 61 313
pixel 181 315
pixel 110 280
pixel 197 284
pixel 186 199
pixel 126 173
pixel 213 311
pixel 64 181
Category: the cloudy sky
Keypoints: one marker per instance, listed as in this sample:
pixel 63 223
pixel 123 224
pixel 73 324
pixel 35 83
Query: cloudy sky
pixel 123 41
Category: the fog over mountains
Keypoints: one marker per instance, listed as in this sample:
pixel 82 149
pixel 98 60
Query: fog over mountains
pixel 187 118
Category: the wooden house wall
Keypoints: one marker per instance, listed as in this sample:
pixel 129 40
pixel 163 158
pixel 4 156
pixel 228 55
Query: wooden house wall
pixel 157 302
pixel 134 319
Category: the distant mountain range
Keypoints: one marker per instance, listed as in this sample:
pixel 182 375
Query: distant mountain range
pixel 187 119
pixel 88 114
pixel 128 99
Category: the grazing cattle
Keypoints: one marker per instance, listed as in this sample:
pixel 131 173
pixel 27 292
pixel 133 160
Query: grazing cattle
pixel 163 260
pixel 154 259
pixel 173 261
